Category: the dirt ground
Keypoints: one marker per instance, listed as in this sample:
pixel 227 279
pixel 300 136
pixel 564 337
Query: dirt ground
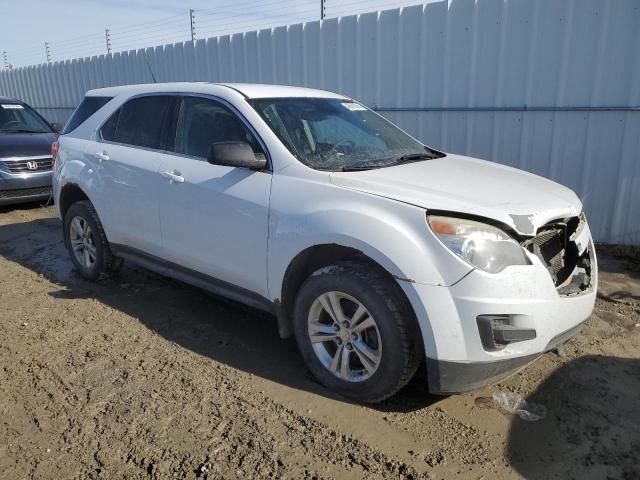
pixel 144 377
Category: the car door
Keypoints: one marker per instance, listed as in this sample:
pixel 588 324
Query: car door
pixel 129 153
pixel 214 218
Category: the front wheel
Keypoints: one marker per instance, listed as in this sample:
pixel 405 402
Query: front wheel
pixel 356 331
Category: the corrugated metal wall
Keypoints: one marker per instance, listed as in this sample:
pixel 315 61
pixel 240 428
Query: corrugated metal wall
pixel 550 86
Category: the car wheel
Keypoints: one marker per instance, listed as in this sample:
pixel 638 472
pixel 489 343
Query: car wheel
pixel 356 331
pixel 87 243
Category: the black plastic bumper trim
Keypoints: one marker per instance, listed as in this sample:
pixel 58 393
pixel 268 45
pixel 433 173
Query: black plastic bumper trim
pixel 458 377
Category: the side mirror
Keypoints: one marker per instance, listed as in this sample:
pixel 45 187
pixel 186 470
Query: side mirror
pixel 57 127
pixel 235 154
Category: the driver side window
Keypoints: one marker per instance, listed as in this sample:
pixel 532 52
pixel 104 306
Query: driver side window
pixel 203 121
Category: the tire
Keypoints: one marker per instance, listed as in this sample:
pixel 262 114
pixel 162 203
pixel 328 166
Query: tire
pixel 81 216
pixel 383 354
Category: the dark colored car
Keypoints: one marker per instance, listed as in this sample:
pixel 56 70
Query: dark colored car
pixel 25 153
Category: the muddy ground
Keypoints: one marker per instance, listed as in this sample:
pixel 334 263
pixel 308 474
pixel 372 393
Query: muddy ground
pixel 144 377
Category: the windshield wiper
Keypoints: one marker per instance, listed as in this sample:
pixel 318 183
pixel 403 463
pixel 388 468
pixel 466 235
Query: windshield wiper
pixel 358 168
pixel 403 159
pixel 412 157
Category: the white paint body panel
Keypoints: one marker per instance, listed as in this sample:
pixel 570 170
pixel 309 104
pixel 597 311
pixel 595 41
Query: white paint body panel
pixel 246 227
pixel 126 193
pixel 521 200
pixel 216 221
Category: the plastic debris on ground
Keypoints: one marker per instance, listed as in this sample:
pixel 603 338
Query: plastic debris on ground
pixel 513 403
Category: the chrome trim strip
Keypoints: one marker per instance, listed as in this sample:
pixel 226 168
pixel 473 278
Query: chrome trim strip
pixel 17 159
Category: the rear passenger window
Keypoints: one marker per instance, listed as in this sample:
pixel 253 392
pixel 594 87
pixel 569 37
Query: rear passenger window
pixel 202 121
pixel 108 130
pixel 87 107
pixel 142 122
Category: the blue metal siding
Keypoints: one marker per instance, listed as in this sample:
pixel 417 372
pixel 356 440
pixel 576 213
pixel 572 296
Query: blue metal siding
pixel 458 75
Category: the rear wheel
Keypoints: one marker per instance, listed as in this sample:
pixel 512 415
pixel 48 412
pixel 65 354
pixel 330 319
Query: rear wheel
pixel 87 244
pixel 356 331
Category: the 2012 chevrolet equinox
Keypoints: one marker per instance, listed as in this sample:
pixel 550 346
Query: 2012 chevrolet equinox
pixel 375 250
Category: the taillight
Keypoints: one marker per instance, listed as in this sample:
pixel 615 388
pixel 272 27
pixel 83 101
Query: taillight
pixel 54 152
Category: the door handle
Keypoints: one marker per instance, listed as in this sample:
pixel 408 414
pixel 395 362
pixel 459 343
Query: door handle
pixel 173 176
pixel 102 156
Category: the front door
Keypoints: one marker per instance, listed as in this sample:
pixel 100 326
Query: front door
pixel 214 219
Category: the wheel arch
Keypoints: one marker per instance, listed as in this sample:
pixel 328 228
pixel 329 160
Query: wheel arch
pixel 310 260
pixel 70 194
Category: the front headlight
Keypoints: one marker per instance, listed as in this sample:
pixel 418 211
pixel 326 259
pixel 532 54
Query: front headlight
pixel 483 246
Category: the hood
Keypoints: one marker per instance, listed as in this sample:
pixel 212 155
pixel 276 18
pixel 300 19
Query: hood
pixel 26 144
pixel 454 183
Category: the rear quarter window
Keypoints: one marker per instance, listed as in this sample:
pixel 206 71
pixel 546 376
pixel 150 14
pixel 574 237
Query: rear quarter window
pixel 108 130
pixel 87 107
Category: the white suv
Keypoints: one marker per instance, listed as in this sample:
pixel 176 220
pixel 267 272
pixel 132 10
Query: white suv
pixel 375 250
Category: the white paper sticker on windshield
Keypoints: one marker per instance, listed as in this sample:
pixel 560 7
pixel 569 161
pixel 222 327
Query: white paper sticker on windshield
pixel 353 106
pixel 12 106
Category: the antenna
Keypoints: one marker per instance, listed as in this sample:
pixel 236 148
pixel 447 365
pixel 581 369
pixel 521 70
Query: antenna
pixel 153 77
pixel 48 51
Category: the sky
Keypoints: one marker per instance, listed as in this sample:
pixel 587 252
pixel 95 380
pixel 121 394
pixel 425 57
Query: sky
pixel 76 28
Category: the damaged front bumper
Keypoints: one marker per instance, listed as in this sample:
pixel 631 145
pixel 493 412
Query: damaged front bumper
pixel 565 249
pixel 488 326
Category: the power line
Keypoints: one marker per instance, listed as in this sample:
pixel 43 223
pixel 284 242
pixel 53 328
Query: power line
pixel 142 33
pixel 157 22
pixel 150 37
pixel 247 24
pixel 235 6
pixel 272 19
pixel 258 12
pixel 227 18
pixel 366 5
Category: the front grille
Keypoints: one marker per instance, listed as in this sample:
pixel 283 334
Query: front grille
pixel 554 245
pixel 25 192
pixel 27 165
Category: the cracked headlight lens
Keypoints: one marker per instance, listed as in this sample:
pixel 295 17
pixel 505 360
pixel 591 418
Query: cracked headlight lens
pixel 483 246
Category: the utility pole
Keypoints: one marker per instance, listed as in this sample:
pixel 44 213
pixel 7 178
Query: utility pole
pixel 322 9
pixel 6 62
pixel 193 25
pixel 107 37
pixel 48 51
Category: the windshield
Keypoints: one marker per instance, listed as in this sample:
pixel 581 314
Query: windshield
pixel 334 134
pixel 18 118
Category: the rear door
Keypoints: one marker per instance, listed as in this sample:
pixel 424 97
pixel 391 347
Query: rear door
pixel 215 218
pixel 129 151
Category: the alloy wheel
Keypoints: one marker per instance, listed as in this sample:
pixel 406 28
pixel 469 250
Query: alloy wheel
pixel 82 244
pixel 344 336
